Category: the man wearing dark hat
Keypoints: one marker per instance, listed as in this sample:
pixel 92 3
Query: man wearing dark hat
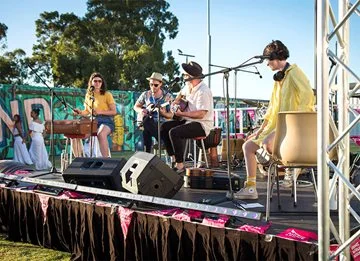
pixel 146 107
pixel 197 119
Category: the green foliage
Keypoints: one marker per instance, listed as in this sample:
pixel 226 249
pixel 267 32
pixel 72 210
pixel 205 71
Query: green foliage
pixel 121 39
pixel 12 64
pixel 13 67
pixel 3 29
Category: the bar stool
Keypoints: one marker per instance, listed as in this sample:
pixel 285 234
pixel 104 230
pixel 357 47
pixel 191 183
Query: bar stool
pixel 76 147
pixel 201 139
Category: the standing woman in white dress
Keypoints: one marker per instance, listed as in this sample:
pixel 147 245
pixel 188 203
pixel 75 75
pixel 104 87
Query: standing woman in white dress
pixel 21 153
pixel 37 150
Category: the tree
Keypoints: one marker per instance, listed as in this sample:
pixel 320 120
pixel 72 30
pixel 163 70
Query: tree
pixel 121 39
pixel 12 64
pixel 3 29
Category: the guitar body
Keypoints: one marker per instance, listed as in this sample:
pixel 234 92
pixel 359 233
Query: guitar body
pixel 151 108
pixel 182 105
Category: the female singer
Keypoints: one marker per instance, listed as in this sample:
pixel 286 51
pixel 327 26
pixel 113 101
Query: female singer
pixel 100 103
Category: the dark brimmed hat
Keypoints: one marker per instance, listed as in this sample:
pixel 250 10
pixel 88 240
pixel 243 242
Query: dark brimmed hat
pixel 155 76
pixel 192 68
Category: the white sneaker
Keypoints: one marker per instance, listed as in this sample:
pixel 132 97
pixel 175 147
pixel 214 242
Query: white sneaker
pixel 246 193
pixel 289 177
pixel 287 182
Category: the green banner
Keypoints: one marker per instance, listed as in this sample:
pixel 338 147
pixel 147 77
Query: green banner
pixel 21 99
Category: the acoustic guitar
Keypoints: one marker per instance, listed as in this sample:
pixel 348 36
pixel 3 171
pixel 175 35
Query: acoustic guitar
pixel 182 105
pixel 151 108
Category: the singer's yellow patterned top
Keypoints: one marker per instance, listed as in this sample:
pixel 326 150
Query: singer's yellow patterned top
pixel 101 102
pixel 293 93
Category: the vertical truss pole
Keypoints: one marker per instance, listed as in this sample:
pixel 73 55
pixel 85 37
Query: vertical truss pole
pixel 322 88
pixel 342 72
pixel 209 42
pixel 343 113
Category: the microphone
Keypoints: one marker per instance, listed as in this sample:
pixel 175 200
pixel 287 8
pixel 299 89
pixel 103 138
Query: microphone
pixel 173 82
pixel 257 72
pixel 262 57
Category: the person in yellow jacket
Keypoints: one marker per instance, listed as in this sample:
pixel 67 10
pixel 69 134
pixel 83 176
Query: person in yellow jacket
pixel 291 92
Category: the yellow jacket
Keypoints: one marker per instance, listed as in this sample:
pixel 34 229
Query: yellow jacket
pixel 293 93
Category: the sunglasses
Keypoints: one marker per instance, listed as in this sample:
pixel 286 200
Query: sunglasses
pixel 99 81
pixel 154 84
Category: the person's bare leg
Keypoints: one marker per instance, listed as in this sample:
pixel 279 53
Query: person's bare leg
pixel 103 133
pixel 249 149
pixel 179 165
pixel 249 189
pixel 268 142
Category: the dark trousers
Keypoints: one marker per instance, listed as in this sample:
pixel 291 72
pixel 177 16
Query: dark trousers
pixel 174 133
pixel 150 130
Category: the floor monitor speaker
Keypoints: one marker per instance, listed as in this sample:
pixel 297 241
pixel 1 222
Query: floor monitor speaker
pixel 146 174
pixel 95 172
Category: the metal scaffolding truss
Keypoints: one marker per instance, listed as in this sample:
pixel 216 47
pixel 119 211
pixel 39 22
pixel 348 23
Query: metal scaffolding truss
pixel 333 32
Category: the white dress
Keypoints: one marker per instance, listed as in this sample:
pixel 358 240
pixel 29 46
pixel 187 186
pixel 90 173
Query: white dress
pixel 21 153
pixel 37 150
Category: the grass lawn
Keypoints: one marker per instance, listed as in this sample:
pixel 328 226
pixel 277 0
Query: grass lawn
pixel 10 251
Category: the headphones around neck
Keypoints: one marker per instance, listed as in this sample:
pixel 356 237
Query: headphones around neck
pixel 281 74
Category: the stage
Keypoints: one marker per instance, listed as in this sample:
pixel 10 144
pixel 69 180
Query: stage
pixel 105 228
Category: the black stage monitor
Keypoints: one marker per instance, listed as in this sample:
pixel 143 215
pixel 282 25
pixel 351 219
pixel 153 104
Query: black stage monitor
pixel 95 172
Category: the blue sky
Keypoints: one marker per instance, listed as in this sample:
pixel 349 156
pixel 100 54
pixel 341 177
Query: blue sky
pixel 240 29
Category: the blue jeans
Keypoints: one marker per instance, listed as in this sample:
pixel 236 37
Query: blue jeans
pixel 106 120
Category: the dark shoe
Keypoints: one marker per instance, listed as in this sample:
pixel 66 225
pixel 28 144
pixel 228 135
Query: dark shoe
pixel 180 171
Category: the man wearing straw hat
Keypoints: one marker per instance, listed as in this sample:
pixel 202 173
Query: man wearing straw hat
pixel 147 106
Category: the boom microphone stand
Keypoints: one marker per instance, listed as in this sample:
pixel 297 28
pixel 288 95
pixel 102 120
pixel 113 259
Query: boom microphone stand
pixel 52 94
pixel 157 106
pixel 235 161
pixel 225 72
pixel 92 98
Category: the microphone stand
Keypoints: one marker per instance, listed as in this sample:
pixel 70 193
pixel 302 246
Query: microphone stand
pixel 158 105
pixel 235 161
pixel 165 91
pixel 52 94
pixel 230 194
pixel 91 122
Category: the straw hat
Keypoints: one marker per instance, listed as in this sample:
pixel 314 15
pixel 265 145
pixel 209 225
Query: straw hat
pixel 155 76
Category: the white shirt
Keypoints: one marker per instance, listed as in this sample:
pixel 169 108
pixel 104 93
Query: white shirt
pixel 200 98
